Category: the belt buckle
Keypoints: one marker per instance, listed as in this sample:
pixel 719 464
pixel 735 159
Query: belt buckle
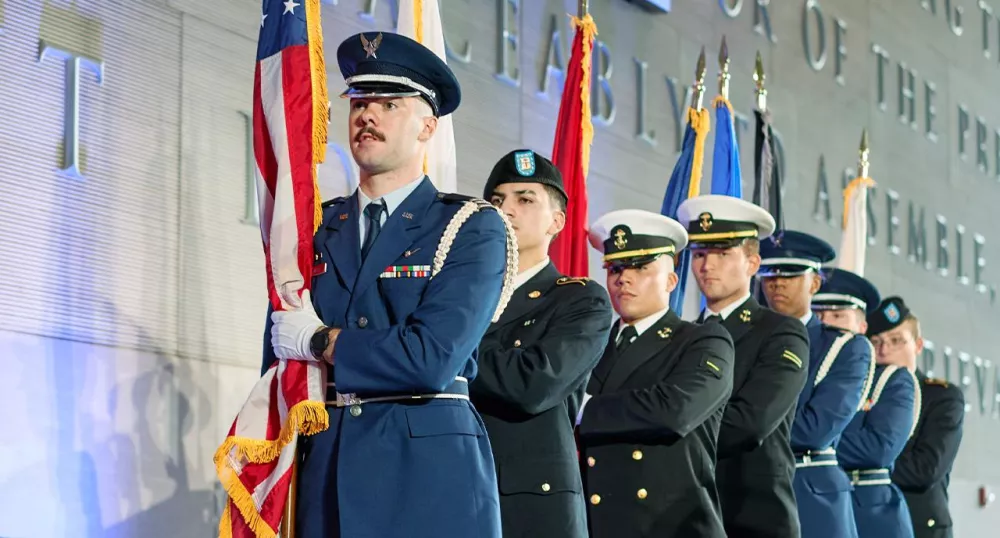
pixel 345 400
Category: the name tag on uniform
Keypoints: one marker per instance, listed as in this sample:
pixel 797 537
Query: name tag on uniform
pixel 406 271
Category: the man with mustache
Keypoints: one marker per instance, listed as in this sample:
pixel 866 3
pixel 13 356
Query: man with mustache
pixel 877 434
pixel 535 360
pixel 923 469
pixel 840 370
pixel 650 419
pixel 406 283
pixel 755 464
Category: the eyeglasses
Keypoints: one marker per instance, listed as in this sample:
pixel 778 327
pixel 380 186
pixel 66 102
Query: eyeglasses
pixel 894 341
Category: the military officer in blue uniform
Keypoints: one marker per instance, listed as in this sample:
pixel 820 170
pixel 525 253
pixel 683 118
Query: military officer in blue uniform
pixel 654 403
pixel 923 470
pixel 534 362
pixel 877 434
pixel 407 281
pixel 839 373
pixel 755 464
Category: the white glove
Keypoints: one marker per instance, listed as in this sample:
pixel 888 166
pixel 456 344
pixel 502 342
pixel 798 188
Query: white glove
pixel 583 404
pixel 293 331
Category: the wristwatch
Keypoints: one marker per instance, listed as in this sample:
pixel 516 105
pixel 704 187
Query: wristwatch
pixel 320 341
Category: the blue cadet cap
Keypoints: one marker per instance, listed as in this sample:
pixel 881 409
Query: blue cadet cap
pixel 386 64
pixel 843 289
pixel 791 253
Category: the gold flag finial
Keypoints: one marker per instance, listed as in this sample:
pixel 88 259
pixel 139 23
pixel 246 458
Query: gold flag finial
pixel 758 80
pixel 699 82
pixel 724 69
pixel 863 158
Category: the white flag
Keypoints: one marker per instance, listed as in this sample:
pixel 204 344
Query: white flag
pixel 420 20
pixel 854 241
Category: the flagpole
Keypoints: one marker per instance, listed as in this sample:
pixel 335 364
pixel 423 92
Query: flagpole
pixel 698 96
pixel 724 75
pixel 582 8
pixel 758 81
pixel 287 529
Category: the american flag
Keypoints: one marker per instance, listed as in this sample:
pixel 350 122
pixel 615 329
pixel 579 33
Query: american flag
pixel 290 116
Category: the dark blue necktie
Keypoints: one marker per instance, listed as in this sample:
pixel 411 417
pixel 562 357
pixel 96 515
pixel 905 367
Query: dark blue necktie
pixel 373 212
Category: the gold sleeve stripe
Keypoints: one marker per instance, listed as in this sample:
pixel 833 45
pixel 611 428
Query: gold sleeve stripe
pixel 713 366
pixel 792 357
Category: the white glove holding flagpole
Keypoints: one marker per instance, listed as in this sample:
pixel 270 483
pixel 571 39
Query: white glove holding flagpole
pixel 293 330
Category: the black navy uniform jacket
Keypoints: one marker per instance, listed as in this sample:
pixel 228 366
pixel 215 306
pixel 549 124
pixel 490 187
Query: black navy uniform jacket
pixel 756 465
pixel 648 433
pixel 923 469
pixel 533 366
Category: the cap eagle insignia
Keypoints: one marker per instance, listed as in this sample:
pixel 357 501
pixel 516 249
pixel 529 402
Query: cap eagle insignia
pixel 371 46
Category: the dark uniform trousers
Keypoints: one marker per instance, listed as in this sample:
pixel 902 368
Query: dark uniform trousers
pixel 870 445
pixel 755 463
pixel 648 433
pixel 840 369
pixel 923 470
pixel 533 366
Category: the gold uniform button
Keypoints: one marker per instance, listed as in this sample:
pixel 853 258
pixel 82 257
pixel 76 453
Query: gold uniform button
pixel 517 343
pixel 546 486
pixel 535 294
pixel 591 461
pixel 595 499
pixel 641 493
pixel 930 522
pixel 637 455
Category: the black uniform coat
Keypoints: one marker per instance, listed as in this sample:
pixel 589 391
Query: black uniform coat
pixel 533 366
pixel 648 433
pixel 755 463
pixel 923 469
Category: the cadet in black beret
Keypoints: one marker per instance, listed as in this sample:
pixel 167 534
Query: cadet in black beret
pixel 534 361
pixel 923 469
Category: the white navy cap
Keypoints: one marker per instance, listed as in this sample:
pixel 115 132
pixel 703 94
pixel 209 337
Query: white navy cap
pixel 634 237
pixel 720 221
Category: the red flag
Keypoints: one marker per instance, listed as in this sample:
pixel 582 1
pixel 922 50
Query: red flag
pixel 571 152
pixel 255 463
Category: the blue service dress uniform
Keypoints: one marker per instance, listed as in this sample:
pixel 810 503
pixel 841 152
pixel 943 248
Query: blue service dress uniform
pixel 404 468
pixel 840 371
pixel 869 446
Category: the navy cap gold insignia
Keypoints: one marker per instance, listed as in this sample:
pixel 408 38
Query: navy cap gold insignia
pixel 633 237
pixel 720 221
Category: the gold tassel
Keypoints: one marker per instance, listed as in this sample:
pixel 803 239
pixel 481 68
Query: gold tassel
pixel 244 502
pixel 589 29
pixel 855 183
pixel 719 101
pixel 305 418
pixel 226 523
pixel 700 122
pixel 321 108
